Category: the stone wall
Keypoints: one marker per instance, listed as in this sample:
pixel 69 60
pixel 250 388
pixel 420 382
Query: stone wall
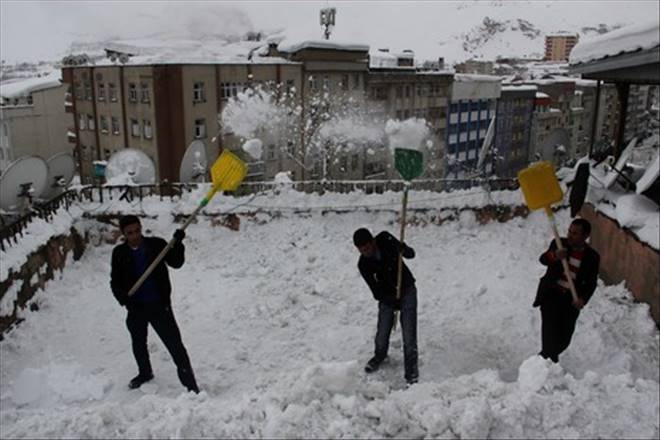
pixel 624 257
pixel 39 268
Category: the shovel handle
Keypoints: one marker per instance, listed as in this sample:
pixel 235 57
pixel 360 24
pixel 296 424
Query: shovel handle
pixel 162 253
pixel 400 262
pixel 564 263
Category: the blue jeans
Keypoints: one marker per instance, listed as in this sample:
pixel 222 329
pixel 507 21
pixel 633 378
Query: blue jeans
pixel 408 327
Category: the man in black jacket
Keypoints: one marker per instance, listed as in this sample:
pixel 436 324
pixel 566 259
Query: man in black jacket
pixel 378 266
pixel 559 311
pixel 150 304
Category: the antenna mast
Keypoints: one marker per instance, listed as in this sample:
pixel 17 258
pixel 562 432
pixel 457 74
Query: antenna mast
pixel 328 20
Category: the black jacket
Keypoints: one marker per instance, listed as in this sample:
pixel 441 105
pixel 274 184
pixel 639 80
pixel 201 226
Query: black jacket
pixel 586 277
pixel 381 275
pixel 123 275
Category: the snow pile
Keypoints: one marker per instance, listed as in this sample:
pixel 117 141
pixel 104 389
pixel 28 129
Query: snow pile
pixel 254 148
pixel 279 324
pixel 634 211
pixel 130 166
pixel 36 234
pixel 409 133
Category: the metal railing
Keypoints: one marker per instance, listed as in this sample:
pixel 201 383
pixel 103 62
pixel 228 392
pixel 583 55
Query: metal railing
pixel 11 228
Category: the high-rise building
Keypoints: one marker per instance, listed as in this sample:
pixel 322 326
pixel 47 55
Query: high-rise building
pixel 558 46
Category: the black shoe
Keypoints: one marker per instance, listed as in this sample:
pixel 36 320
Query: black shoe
pixel 374 364
pixel 411 380
pixel 138 380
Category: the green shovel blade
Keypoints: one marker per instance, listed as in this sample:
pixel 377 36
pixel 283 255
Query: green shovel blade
pixel 409 163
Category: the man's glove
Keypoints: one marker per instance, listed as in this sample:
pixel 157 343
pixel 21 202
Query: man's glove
pixel 179 235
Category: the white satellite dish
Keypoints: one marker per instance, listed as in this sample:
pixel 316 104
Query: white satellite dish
pixel 194 165
pixel 61 168
pixel 130 167
pixel 23 181
pixel 611 176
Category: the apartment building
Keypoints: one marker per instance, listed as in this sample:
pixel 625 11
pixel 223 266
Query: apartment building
pixel 398 90
pixel 33 119
pixel 160 105
pixel 472 107
pixel 548 136
pixel 513 129
pixel 558 46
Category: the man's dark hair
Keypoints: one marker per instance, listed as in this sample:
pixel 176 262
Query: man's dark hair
pixel 361 237
pixel 584 225
pixel 128 220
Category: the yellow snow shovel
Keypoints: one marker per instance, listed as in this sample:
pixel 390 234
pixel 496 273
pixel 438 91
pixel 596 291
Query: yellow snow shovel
pixel 226 174
pixel 541 189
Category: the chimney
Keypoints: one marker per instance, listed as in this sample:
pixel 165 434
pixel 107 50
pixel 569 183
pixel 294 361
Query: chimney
pixel 441 63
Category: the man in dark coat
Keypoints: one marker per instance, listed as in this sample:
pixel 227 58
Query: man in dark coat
pixel 150 304
pixel 378 265
pixel 559 311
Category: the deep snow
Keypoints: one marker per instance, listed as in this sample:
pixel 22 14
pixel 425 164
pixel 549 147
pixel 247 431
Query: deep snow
pixel 278 324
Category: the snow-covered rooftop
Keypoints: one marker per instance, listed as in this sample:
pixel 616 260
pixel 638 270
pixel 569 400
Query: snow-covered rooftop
pixel 187 51
pixel 521 88
pixel 27 86
pixel 641 36
pixel 469 77
pixel 290 46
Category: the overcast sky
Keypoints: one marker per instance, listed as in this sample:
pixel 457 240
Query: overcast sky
pixel 44 29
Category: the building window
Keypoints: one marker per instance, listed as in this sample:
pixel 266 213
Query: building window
pixel 104 124
pixel 355 159
pixel 408 91
pixel 200 128
pixel 90 122
pixel 29 100
pixel 101 92
pixel 343 164
pixel 79 91
pixel 82 122
pixel 290 86
pixel 398 91
pixel 88 91
pixel 344 82
pixel 356 81
pixel 135 128
pixel 229 90
pixel 115 125
pixel 271 152
pixel 144 92
pixel 112 92
pixel 198 92
pixel 132 92
pixel 379 93
pixel 147 130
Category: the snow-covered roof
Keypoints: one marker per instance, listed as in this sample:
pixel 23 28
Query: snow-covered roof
pixel 185 51
pixel 562 34
pixel 27 86
pixel 290 46
pixel 523 88
pixel 632 38
pixel 468 77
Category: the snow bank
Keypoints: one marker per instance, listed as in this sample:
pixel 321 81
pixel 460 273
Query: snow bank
pixel 254 148
pixel 278 325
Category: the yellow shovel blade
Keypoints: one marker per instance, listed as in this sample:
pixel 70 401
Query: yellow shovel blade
pixel 539 185
pixel 228 172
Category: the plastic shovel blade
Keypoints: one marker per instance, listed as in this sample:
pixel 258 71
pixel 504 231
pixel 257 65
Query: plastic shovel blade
pixel 409 163
pixel 539 185
pixel 228 172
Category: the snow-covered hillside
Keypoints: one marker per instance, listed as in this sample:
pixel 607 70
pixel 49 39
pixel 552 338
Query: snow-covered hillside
pixel 278 325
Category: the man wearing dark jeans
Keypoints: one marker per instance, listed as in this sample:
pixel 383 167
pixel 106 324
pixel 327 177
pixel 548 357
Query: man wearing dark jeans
pixel 559 312
pixel 150 304
pixel 378 265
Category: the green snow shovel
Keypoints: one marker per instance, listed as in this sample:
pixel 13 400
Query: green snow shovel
pixel 226 174
pixel 409 164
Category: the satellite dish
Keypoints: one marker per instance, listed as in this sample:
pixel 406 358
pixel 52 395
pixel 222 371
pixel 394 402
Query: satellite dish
pixel 194 165
pixel 610 178
pixel 23 180
pixel 61 168
pixel 649 184
pixel 130 167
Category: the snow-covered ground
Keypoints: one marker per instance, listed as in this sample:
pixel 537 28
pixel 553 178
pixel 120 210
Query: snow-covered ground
pixel 278 325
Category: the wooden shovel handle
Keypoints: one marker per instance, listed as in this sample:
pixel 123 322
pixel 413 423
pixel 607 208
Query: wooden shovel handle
pixel 400 262
pixel 564 263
